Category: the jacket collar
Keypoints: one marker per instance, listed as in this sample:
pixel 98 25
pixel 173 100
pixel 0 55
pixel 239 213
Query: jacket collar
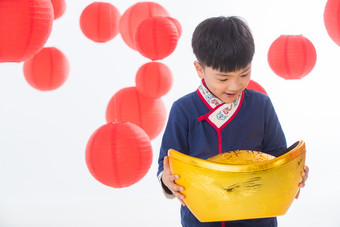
pixel 220 113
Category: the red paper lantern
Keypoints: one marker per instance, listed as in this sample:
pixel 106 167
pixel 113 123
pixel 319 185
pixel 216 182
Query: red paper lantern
pixel 118 154
pixel 332 20
pixel 99 21
pixel 59 7
pixel 47 70
pixel 135 15
pixel 25 26
pixel 129 105
pixel 177 24
pixel 153 79
pixel 256 86
pixel 156 37
pixel 292 56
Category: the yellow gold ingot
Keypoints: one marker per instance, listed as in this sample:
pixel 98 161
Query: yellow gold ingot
pixel 241 157
pixel 258 186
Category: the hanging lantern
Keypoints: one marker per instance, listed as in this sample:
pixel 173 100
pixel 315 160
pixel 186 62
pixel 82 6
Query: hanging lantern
pixel 118 154
pixel 156 37
pixel 99 21
pixel 153 79
pixel 292 56
pixel 177 24
pixel 331 19
pixel 135 15
pixel 59 7
pixel 25 26
pixel 256 86
pixel 129 105
pixel 47 70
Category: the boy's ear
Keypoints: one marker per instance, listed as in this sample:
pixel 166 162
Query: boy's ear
pixel 199 69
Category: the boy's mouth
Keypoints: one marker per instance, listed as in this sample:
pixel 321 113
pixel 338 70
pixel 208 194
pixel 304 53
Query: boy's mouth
pixel 230 95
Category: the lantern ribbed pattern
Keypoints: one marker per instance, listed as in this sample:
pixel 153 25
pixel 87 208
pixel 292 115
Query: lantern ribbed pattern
pixel 154 79
pixel 118 154
pixel 25 26
pixel 134 15
pixel 156 37
pixel 59 7
pixel 99 21
pixel 47 70
pixel 292 56
pixel 332 20
pixel 129 105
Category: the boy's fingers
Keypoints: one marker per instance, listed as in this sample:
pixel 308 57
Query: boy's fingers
pixel 180 197
pixel 167 170
pixel 166 164
pixel 297 195
pixel 178 188
pixel 173 177
pixel 306 172
pixel 171 181
pixel 174 187
pixel 183 203
pixel 307 169
pixel 304 175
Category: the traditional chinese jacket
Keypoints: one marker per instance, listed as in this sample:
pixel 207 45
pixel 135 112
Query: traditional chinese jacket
pixel 201 125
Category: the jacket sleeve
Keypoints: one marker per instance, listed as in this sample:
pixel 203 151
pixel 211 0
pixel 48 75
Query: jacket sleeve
pixel 274 139
pixel 175 137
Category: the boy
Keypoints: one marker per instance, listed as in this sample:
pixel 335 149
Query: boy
pixel 222 115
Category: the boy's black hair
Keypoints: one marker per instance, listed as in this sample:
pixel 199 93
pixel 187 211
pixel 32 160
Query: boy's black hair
pixel 223 43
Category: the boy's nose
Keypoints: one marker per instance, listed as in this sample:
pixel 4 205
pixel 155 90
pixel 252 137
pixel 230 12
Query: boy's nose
pixel 234 86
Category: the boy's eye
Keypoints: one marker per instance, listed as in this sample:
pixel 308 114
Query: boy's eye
pixel 223 80
pixel 245 75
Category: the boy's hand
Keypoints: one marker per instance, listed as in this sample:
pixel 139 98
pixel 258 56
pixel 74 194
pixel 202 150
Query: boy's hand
pixel 304 178
pixel 169 181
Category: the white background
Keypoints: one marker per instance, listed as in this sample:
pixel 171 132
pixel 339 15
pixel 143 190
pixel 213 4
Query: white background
pixel 44 180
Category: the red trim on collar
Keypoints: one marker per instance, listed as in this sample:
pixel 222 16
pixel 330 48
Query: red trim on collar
pixel 203 99
pixel 206 116
pixel 236 112
pixel 203 83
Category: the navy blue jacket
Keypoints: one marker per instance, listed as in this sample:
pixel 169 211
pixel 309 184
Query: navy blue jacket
pixel 254 127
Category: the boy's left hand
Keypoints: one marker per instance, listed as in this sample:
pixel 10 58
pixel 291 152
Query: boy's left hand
pixel 304 178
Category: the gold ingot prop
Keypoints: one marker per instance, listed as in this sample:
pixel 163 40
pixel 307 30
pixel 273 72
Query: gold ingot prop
pixel 241 184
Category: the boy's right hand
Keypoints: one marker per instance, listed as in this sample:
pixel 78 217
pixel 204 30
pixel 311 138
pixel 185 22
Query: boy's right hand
pixel 169 181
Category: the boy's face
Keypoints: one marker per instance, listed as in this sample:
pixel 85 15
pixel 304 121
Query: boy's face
pixel 224 85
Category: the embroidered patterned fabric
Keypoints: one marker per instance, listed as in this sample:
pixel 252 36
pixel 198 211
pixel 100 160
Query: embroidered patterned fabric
pixel 241 157
pixel 221 113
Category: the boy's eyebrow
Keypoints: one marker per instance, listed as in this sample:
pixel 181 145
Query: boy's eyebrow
pixel 226 74
pixel 246 69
